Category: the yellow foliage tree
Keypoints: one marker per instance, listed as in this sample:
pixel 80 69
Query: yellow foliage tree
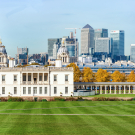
pixel 87 75
pixel 131 77
pixel 102 76
pixel 77 72
pixel 118 77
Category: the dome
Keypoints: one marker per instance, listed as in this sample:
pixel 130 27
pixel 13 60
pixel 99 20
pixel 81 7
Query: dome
pixel 62 49
pixel 3 50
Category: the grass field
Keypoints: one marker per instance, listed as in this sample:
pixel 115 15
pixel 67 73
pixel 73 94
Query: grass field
pixel 114 95
pixel 70 118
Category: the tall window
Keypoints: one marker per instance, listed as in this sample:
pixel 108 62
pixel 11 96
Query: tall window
pixel 35 90
pixel 66 90
pixel 45 90
pixel 66 77
pixel 3 78
pixel 29 77
pixel 55 78
pixel 24 77
pixel 45 78
pixel 15 90
pixel 40 90
pixel 24 90
pixel 3 90
pixel 55 90
pixel 29 90
pixel 15 78
pixel 40 78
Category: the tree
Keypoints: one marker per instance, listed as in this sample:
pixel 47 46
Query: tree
pixel 131 77
pixel 87 75
pixel 77 72
pixel 118 77
pixel 102 76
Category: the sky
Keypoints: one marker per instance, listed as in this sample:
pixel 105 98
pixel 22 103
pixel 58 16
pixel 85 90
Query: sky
pixel 29 23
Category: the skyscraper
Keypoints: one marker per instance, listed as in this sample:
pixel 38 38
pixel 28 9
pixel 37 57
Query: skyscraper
pixel 51 42
pixel 118 42
pixel 87 39
pixel 98 33
pixel 132 53
pixel 103 45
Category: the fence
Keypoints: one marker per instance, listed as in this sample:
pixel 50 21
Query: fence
pixel 84 93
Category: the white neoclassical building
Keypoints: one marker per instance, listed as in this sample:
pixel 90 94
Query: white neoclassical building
pixel 3 55
pixel 36 81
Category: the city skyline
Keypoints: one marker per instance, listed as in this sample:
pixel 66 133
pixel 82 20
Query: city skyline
pixel 27 24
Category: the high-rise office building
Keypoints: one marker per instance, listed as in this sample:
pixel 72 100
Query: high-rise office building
pixel 99 33
pixel 72 45
pixel 118 42
pixel 56 47
pixel 132 53
pixel 103 45
pixel 51 42
pixel 87 39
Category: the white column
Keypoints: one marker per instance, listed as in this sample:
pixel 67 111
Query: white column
pixel 110 89
pixel 96 89
pixel 26 78
pixel 31 78
pixel 124 90
pixel 37 79
pixel 119 89
pixel 101 89
pixel 129 89
pixel 133 89
pixel 115 90
pixel 91 88
pixel 43 78
pixel 105 89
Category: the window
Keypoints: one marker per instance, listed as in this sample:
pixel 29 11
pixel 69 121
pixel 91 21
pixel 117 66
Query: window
pixel 66 77
pixel 24 77
pixel 45 78
pixel 3 78
pixel 29 90
pixel 15 78
pixel 35 90
pixel 40 90
pixel 55 90
pixel 45 90
pixel 55 78
pixel 29 77
pixel 66 90
pixel 3 90
pixel 24 90
pixel 15 90
pixel 40 78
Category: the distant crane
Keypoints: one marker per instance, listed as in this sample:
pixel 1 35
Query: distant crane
pixel 74 36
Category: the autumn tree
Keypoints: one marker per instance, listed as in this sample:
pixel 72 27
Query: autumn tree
pixel 77 72
pixel 102 76
pixel 118 77
pixel 87 75
pixel 131 77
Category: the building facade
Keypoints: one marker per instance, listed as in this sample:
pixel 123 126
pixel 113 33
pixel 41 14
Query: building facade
pixel 132 53
pixel 87 39
pixel 103 45
pixel 118 42
pixel 39 82
pixel 99 33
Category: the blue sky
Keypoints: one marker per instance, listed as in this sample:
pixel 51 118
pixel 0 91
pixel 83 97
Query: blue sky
pixel 29 23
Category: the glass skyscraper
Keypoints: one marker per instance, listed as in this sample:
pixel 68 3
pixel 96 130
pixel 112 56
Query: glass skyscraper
pixel 132 53
pixel 98 33
pixel 118 42
pixel 87 39
pixel 51 42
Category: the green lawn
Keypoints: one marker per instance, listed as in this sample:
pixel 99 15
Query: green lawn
pixel 114 95
pixel 110 118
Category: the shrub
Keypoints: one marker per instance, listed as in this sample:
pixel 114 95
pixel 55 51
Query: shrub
pixel 133 99
pixel 44 100
pixel 2 99
pixel 14 99
pixel 71 99
pixel 58 99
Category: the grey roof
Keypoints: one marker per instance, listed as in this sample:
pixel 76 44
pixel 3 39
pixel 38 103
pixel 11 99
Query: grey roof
pixel 87 26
